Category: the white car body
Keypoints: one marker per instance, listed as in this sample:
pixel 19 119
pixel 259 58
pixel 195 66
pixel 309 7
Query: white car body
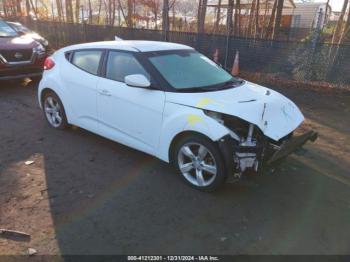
pixel 149 120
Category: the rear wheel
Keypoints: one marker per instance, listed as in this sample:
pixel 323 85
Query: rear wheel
pixel 200 163
pixel 54 111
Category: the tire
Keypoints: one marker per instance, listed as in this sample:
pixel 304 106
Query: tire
pixel 195 157
pixel 54 111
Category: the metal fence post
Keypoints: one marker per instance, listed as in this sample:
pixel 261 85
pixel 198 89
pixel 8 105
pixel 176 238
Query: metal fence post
pixel 227 49
pixel 314 41
pixel 317 30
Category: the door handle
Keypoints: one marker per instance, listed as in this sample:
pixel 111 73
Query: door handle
pixel 105 92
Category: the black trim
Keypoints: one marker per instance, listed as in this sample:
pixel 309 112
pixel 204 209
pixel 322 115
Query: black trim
pixel 226 145
pixel 158 82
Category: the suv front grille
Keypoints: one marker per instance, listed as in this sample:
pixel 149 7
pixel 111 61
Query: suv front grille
pixel 17 55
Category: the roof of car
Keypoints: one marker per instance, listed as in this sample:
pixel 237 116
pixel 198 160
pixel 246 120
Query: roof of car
pixel 132 45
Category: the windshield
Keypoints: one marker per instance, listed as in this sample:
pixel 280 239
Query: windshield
pixel 6 30
pixel 188 69
pixel 20 27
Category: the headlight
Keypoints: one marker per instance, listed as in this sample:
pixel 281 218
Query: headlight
pixel 45 42
pixel 39 49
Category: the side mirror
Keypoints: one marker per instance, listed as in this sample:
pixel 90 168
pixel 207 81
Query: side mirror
pixel 137 80
pixel 21 33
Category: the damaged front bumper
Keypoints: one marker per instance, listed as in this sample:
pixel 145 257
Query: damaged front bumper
pixel 291 145
pixel 240 158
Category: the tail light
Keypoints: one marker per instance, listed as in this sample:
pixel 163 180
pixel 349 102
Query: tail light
pixel 48 64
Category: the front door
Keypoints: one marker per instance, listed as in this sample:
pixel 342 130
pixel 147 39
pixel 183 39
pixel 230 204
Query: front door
pixel 129 115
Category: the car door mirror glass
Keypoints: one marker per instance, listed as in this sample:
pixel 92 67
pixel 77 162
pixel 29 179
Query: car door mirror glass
pixel 137 80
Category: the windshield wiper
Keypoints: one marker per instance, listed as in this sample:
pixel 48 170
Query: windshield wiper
pixel 195 89
pixel 228 84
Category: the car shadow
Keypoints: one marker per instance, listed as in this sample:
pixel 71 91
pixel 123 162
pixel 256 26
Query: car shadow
pixel 106 198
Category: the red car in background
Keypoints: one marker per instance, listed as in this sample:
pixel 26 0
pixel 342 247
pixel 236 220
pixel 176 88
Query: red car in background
pixel 20 56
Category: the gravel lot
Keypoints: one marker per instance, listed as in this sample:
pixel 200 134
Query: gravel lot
pixel 87 195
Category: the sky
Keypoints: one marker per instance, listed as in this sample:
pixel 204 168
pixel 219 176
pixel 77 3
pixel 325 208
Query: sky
pixel 335 4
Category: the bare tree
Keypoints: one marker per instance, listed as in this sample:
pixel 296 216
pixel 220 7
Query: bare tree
pixel 90 11
pixel 257 10
pixel 59 10
pixel 238 18
pixel 154 7
pixel 251 19
pixel 69 11
pixel 326 11
pixel 229 24
pixel 202 10
pixel 77 9
pixel 27 7
pixel 338 28
pixel 276 28
pixel 120 7
pixel 264 26
pixel 18 7
pixel 165 18
pixel 185 7
pixel 34 8
pixel 4 8
pixel 129 18
pixel 218 16
pixel 272 20
pixel 99 11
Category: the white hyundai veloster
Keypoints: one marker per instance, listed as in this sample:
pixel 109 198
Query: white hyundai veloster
pixel 174 103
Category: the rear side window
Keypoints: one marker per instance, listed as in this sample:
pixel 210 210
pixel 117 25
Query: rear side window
pixel 88 60
pixel 120 65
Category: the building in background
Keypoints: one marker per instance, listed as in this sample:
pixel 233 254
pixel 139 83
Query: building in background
pixel 306 15
pixel 265 11
pixel 335 16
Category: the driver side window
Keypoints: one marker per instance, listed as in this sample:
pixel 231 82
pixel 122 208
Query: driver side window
pixel 120 65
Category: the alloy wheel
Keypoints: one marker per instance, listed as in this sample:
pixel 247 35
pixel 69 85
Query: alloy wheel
pixel 197 164
pixel 53 111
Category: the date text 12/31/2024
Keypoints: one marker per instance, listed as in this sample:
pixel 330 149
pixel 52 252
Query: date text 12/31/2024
pixel 173 258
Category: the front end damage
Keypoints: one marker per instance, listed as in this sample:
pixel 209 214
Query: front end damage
pixel 247 149
pixel 260 122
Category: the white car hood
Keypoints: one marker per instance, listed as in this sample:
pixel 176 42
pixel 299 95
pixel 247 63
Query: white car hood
pixel 273 113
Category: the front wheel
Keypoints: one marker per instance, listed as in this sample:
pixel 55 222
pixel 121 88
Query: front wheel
pixel 200 162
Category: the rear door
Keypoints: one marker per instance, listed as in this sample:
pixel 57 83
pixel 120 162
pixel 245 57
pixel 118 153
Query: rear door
pixel 129 115
pixel 80 76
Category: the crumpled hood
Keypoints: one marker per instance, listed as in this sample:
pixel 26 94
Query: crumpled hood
pixel 20 42
pixel 273 113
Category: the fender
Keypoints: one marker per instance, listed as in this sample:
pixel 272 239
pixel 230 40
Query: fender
pixel 51 81
pixel 186 119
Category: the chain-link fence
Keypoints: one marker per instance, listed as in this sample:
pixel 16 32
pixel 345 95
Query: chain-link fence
pixel 297 62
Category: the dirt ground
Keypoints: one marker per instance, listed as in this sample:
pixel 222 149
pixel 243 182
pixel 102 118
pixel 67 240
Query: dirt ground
pixel 84 194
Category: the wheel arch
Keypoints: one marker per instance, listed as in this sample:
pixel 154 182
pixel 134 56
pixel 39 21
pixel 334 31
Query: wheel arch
pixel 181 120
pixel 181 135
pixel 47 90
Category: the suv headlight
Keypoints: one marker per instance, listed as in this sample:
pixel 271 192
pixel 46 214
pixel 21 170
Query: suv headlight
pixel 39 49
